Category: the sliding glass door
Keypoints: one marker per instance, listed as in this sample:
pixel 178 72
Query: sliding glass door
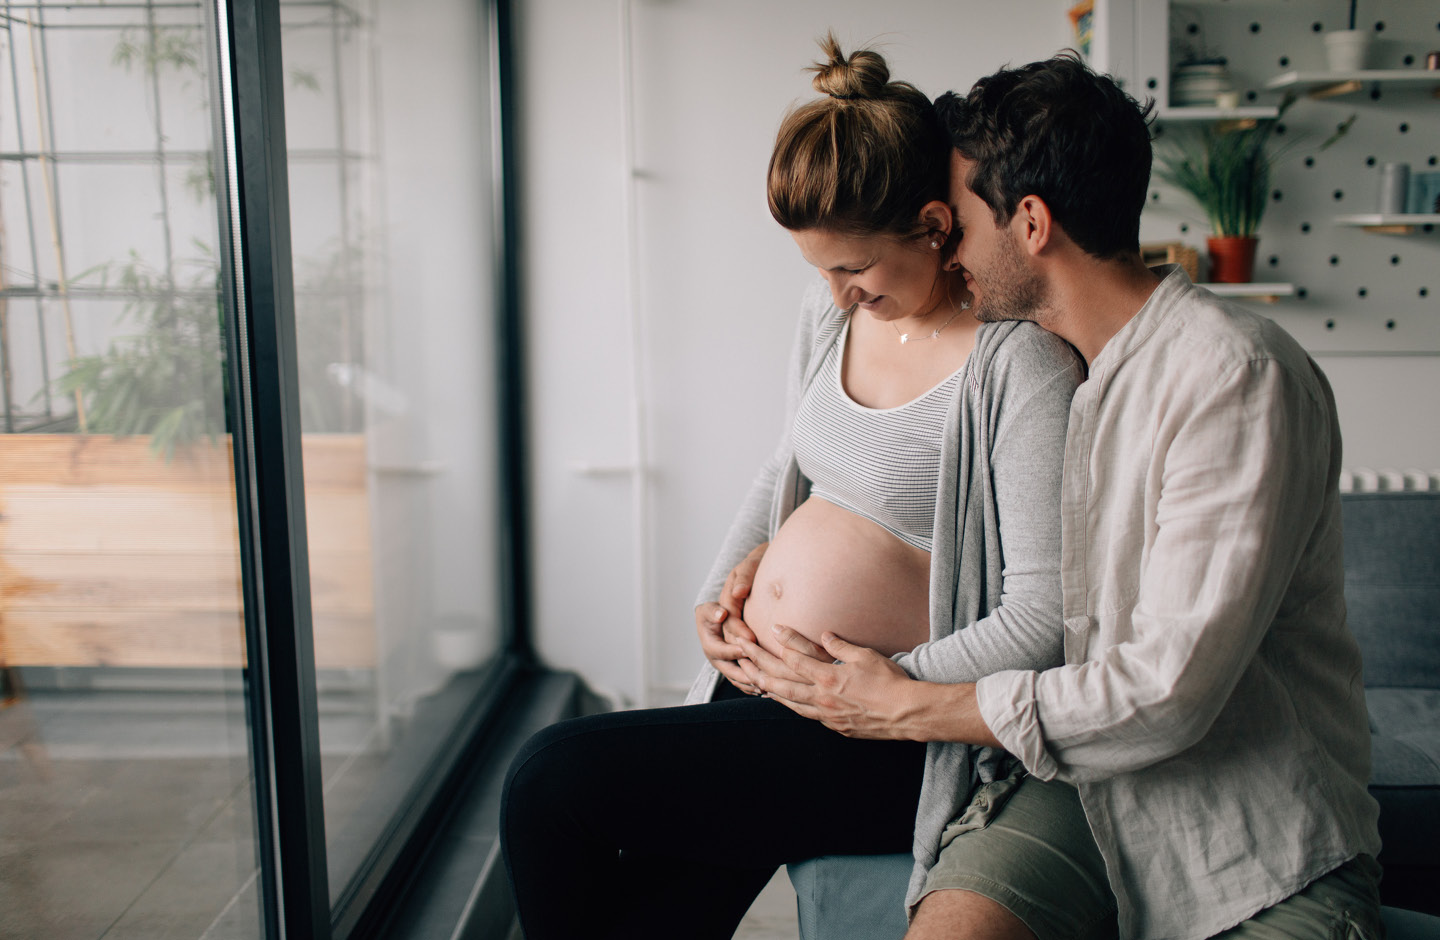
pixel 251 465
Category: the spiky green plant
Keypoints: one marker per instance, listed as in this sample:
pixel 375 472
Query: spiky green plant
pixel 166 378
pixel 1225 166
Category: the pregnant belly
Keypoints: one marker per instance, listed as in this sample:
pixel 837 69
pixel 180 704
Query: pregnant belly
pixel 830 569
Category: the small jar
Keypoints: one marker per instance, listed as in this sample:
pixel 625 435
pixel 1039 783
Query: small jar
pixel 1394 188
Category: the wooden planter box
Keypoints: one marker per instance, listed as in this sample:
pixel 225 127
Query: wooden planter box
pixel 110 556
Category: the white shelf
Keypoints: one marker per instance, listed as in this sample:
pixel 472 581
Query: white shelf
pixel 1326 84
pixel 1203 113
pixel 1267 291
pixel 1384 224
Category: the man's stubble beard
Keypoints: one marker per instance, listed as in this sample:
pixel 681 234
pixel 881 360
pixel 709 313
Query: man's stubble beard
pixel 1012 291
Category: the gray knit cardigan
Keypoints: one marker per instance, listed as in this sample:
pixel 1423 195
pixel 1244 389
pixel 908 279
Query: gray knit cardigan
pixel 995 564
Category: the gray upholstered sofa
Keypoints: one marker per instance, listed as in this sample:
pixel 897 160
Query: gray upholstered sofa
pixel 1392 589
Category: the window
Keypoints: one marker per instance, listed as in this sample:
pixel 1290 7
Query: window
pixel 253 510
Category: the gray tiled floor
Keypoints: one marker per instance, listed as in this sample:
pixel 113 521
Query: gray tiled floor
pixel 138 825
pixel 136 822
pixel 772 916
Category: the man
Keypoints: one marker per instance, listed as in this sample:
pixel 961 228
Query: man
pixel 1210 712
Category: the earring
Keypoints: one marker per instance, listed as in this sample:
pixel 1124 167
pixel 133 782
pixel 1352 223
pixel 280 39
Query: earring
pixel 934 244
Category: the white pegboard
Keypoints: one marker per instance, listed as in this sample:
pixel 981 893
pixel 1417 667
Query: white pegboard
pixel 1357 292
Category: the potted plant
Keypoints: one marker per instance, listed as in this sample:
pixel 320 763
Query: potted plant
pixel 1226 168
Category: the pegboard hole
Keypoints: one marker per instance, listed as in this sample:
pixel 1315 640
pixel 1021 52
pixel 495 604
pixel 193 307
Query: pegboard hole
pixel 1193 28
pixel 1334 260
pixel 1184 227
pixel 1389 324
pixel 1280 128
pixel 1339 194
pixel 1309 161
pixel 1369 161
pixel 1154 197
pixel 1277 195
pixel 1329 324
pixel 1251 95
pixel 1151 84
pixel 1404 128
pixel 1375 94
pixel 1394 259
pixel 1363 292
pixel 1432 161
pixel 1424 292
pixel 1302 293
pixel 1379 26
pixel 1317 27
pixel 1305 227
pixel 1254 27
pixel 1284 61
pixel 1409 60
pixel 1274 260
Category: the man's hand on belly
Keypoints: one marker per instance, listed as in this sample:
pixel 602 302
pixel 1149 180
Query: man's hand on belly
pixel 864 694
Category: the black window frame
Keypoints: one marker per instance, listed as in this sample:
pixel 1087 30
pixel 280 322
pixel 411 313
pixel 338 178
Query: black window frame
pixel 251 169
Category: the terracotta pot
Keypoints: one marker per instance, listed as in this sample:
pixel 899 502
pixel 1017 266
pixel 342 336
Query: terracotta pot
pixel 1232 258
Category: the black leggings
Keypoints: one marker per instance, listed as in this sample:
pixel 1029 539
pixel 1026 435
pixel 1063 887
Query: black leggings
pixel 668 822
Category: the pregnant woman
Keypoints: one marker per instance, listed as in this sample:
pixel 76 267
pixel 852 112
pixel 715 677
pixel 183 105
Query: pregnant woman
pixel 911 506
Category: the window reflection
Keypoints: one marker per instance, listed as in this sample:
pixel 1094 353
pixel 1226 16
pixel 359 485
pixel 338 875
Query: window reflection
pixel 387 125
pixel 126 801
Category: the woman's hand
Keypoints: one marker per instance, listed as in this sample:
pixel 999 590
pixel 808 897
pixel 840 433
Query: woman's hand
pixel 738 584
pixel 722 626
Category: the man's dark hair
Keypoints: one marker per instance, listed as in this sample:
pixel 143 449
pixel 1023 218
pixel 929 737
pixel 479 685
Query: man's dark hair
pixel 1057 130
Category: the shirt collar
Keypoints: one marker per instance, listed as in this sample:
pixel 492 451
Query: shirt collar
pixel 1174 285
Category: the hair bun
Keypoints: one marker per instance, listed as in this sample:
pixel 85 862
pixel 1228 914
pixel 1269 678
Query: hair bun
pixel 863 74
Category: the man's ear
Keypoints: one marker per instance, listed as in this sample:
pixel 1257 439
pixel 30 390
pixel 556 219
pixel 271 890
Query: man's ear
pixel 1032 224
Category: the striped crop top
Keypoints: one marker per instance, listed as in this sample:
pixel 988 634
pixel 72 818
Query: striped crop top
pixel 881 463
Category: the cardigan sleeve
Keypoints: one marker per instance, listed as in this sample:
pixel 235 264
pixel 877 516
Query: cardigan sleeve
pixel 752 523
pixel 1030 404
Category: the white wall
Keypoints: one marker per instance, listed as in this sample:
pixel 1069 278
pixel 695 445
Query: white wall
pixel 717 288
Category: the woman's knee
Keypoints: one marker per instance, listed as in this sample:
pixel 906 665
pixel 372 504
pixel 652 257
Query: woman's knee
pixel 551 758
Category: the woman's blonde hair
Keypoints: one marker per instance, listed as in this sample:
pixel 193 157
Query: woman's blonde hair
pixel 861 159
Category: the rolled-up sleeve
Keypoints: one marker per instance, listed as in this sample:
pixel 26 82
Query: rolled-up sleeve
pixel 1234 510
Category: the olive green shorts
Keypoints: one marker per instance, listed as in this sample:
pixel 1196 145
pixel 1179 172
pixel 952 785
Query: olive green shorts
pixel 1343 905
pixel 1034 856
pixel 1025 844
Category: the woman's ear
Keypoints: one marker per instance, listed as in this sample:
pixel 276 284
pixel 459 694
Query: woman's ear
pixel 1032 224
pixel 936 221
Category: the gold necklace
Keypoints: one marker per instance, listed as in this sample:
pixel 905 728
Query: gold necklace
pixel 907 338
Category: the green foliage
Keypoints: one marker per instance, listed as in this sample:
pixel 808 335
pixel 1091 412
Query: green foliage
pixel 329 301
pixel 1226 168
pixel 177 48
pixel 166 379
pixel 304 78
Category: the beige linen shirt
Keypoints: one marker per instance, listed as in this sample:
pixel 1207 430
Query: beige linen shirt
pixel 1210 711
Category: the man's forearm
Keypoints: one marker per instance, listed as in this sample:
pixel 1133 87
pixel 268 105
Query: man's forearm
pixel 937 711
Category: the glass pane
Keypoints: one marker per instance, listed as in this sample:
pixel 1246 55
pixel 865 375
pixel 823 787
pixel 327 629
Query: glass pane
pixel 387 124
pixel 126 788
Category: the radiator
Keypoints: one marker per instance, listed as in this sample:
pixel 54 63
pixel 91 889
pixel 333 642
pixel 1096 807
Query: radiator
pixel 1366 480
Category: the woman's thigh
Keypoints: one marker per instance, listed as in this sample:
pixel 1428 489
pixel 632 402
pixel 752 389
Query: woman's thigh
pixel 742 782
